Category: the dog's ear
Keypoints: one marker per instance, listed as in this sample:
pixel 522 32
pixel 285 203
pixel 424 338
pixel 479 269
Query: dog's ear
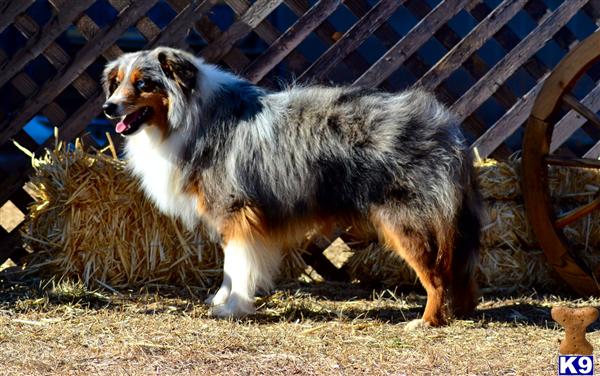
pixel 178 67
pixel 109 79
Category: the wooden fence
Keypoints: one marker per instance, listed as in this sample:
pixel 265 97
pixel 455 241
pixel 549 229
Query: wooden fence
pixel 403 59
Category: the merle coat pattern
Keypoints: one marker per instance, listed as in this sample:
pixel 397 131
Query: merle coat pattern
pixel 262 168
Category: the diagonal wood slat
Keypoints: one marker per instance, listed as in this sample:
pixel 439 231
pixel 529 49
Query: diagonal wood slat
pixel 83 59
pixel 53 53
pixel 580 108
pixel 10 10
pixel 352 39
pixel 411 42
pixel 495 135
pixel 326 33
pixel 290 39
pixel 486 86
pixel 242 27
pixel 470 43
pixel 268 33
pixel 572 121
pixel 39 42
pixel 177 29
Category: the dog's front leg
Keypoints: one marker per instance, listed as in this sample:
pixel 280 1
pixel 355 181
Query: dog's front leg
pixel 249 265
pixel 220 297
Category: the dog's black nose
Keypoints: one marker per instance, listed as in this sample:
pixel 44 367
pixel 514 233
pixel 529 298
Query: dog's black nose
pixel 110 108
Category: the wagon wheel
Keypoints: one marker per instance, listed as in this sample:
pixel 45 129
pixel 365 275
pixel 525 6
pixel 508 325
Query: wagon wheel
pixel 552 101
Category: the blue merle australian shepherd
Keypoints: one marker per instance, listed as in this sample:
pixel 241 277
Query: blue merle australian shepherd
pixel 263 168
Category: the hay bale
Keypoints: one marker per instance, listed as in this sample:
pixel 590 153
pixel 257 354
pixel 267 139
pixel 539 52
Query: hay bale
pixel 505 225
pixel 377 264
pixel 514 269
pixel 498 180
pixel 90 220
pixel 499 269
pixel 510 258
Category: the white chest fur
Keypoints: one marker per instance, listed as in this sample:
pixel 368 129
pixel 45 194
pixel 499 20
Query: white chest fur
pixel 153 162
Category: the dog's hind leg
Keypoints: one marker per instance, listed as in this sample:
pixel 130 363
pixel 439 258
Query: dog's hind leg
pixel 418 248
pixel 464 291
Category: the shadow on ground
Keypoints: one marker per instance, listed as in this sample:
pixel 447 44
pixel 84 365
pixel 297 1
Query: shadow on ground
pixel 292 301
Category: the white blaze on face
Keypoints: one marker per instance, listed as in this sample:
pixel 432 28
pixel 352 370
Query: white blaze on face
pixel 119 97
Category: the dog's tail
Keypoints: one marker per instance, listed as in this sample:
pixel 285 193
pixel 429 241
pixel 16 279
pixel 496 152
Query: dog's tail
pixel 464 291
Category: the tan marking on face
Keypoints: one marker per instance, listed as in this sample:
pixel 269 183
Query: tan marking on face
pixel 135 75
pixel 159 102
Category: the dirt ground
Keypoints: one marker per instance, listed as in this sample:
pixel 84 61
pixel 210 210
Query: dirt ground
pixel 319 329
pixel 49 328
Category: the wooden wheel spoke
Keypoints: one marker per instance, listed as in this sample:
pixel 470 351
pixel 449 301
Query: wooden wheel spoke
pixel 577 213
pixel 582 109
pixel 555 160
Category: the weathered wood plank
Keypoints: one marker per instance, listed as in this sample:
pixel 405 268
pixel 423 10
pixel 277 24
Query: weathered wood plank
pixel 351 40
pixel 84 58
pixel 55 56
pixel 267 32
pixel 12 9
pixel 235 59
pixel 289 40
pixel 26 86
pixel 42 39
pixel 411 42
pixel 326 32
pixel 572 121
pixel 515 117
pixel 177 29
pixel 580 108
pixel 475 65
pixel 470 43
pixel 488 84
pixel 144 25
pixel 593 152
pixel 89 29
pixel 239 29
pixel 385 33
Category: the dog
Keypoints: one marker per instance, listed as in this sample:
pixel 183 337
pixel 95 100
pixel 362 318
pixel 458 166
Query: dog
pixel 261 169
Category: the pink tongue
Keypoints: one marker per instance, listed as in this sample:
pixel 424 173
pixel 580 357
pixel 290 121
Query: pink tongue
pixel 121 127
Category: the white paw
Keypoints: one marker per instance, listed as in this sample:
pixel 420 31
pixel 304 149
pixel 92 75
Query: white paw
pixel 218 298
pixel 416 324
pixel 233 308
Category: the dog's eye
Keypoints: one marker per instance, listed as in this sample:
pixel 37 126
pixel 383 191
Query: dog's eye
pixel 144 85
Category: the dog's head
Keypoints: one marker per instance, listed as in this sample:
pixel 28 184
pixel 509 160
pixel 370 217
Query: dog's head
pixel 143 87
